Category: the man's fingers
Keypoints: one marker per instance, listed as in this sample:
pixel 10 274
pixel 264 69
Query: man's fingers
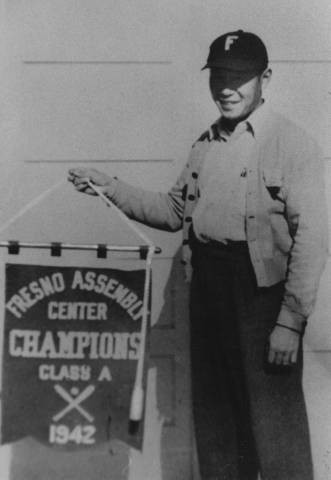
pixel 81 187
pixel 78 172
pixel 279 358
pixel 294 356
pixel 282 358
pixel 80 180
pixel 286 358
pixel 271 355
pixel 84 188
pixel 75 179
pixel 78 175
pixel 80 183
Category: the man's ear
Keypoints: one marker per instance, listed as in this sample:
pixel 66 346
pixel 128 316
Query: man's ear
pixel 265 78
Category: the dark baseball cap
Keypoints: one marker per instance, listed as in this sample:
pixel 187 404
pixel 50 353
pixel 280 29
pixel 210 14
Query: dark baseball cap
pixel 238 51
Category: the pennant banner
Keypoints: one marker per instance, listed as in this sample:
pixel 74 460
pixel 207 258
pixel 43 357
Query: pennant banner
pixel 71 344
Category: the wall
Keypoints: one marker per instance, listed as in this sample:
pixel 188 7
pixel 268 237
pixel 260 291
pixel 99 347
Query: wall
pixel 117 85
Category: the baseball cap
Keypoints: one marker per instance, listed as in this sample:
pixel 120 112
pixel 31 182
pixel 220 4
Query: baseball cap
pixel 239 51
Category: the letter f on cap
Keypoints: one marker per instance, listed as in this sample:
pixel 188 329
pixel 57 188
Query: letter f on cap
pixel 229 41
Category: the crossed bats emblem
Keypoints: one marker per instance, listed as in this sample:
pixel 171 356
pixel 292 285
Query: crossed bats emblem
pixel 74 401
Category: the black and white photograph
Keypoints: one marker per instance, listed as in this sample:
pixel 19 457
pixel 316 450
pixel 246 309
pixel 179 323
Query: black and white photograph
pixel 165 275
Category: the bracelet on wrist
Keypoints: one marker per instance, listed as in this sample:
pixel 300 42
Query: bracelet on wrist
pixel 299 332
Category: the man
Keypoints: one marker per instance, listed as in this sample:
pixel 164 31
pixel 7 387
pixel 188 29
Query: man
pixel 252 207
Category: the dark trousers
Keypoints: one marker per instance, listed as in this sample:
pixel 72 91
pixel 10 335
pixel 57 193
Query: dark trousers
pixel 248 418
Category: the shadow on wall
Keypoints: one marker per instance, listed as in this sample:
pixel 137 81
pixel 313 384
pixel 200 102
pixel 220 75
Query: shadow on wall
pixel 176 435
pixel 170 440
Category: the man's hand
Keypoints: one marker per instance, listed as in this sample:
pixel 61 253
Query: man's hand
pixel 80 176
pixel 284 340
pixel 283 346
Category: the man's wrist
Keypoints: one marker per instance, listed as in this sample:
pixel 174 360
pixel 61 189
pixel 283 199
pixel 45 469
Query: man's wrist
pixel 291 319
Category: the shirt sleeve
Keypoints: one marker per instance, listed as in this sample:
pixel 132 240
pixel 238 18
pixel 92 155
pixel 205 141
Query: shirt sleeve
pixel 306 213
pixel 163 211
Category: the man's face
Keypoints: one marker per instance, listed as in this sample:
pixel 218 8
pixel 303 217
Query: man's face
pixel 237 96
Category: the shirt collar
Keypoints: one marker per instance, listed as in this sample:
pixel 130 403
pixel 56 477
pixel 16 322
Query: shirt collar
pixel 257 119
pixel 254 123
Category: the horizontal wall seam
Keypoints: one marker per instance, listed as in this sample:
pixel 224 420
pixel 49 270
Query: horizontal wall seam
pixel 97 62
pixel 316 350
pixel 155 62
pixel 300 61
pixel 107 160
pixel 101 160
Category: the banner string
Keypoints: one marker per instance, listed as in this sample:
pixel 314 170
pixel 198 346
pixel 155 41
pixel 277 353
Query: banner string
pixel 31 204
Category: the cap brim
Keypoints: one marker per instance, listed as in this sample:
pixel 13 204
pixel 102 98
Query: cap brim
pixel 231 78
pixel 237 66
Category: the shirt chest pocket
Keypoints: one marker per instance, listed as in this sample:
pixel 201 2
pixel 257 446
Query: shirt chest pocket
pixel 273 183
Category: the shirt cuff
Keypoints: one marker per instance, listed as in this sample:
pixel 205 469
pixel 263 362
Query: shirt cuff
pixel 292 319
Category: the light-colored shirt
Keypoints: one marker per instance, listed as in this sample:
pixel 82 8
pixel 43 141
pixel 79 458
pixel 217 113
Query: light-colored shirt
pixel 286 214
pixel 221 210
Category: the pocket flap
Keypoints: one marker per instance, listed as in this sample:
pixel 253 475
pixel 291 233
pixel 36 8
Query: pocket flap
pixel 273 177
